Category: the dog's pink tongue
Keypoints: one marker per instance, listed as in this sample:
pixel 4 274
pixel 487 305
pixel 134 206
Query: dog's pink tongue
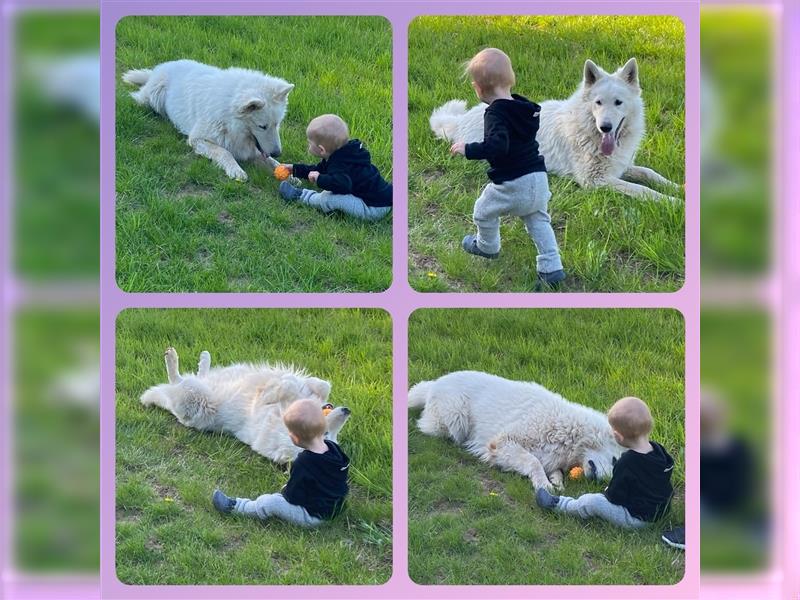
pixel 608 144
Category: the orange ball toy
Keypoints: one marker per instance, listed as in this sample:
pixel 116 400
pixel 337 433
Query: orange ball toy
pixel 576 473
pixel 281 173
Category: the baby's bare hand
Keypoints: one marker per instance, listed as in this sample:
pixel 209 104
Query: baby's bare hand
pixel 312 176
pixel 458 148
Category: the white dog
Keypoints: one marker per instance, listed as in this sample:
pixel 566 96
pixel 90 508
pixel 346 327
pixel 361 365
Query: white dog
pixel 517 426
pixel 229 115
pixel 591 137
pixel 244 400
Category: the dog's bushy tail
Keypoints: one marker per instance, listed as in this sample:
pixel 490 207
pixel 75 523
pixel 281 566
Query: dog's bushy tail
pixel 418 395
pixel 137 76
pixel 444 120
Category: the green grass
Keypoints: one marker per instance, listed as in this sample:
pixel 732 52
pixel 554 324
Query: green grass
pixel 167 530
pixel 56 456
pixel 470 523
pixel 56 155
pixel 609 242
pixel 182 225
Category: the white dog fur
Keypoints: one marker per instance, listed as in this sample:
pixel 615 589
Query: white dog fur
pixel 244 400
pixel 517 426
pixel 228 115
pixel 571 132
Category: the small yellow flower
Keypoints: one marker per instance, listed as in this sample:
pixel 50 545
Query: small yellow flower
pixel 168 499
pixel 493 493
pixel 432 275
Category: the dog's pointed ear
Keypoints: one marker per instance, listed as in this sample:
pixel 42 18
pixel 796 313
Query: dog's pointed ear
pixel 319 386
pixel 250 105
pixel 591 73
pixel 282 94
pixel 630 73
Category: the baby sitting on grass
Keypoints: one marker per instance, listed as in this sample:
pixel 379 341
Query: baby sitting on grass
pixel 640 490
pixel 317 485
pixel 349 180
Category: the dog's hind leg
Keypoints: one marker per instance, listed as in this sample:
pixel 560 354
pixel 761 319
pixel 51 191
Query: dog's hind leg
pixel 637 191
pixel 646 175
pixel 556 478
pixel 171 360
pixel 204 364
pixel 511 456
pixel 219 155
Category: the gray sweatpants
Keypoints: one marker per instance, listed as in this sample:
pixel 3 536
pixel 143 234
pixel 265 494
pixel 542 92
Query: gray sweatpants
pixel 597 505
pixel 525 197
pixel 275 505
pixel 347 203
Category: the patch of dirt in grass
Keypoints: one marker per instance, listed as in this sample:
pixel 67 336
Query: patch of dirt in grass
pixel 471 536
pixel 431 176
pixel 225 218
pixel 192 190
pixel 154 545
pixel 204 257
pixel 164 491
pixel 490 485
pixel 128 516
pixel 446 507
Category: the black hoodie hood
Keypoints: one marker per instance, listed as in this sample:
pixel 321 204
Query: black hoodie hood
pixel 353 152
pixel 520 114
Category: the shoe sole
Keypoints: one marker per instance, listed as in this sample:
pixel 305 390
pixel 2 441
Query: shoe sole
pixel 673 544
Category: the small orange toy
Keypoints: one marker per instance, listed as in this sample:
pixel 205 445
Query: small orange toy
pixel 326 409
pixel 281 172
pixel 576 473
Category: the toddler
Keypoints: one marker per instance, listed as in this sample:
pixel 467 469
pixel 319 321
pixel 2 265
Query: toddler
pixel 317 485
pixel 350 182
pixel 640 490
pixel 517 171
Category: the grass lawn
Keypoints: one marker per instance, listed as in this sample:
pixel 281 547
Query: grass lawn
pixel 609 242
pixel 56 154
pixel 470 523
pixel 182 225
pixel 167 530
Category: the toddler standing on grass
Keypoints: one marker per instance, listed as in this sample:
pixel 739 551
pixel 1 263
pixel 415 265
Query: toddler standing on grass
pixel 640 490
pixel 517 171
pixel 350 182
pixel 317 485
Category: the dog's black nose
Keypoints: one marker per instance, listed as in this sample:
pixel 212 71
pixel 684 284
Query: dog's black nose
pixel 606 127
pixel 345 410
pixel 275 154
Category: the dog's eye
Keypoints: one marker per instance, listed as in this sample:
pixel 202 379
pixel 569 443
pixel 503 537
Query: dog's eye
pixel 264 127
pixel 617 102
pixel 598 102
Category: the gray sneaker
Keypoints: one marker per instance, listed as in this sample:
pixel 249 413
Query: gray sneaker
pixel 289 192
pixel 470 244
pixel 222 503
pixel 545 499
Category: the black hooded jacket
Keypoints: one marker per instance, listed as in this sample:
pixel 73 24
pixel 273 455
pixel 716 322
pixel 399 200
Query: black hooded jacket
pixel 509 139
pixel 641 483
pixel 349 171
pixel 318 482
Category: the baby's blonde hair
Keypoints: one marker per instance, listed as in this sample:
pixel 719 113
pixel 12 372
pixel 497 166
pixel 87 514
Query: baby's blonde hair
pixel 491 69
pixel 304 419
pixel 329 131
pixel 630 417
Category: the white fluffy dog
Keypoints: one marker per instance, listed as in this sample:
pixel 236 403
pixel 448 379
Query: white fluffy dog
pixel 517 426
pixel 229 115
pixel 591 137
pixel 244 400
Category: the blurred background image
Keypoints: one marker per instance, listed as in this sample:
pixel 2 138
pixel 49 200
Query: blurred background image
pixel 52 285
pixel 738 309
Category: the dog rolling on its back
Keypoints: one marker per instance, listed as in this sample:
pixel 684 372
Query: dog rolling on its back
pixel 244 400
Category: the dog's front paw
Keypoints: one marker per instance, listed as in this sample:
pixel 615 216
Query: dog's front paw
pixel 236 172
